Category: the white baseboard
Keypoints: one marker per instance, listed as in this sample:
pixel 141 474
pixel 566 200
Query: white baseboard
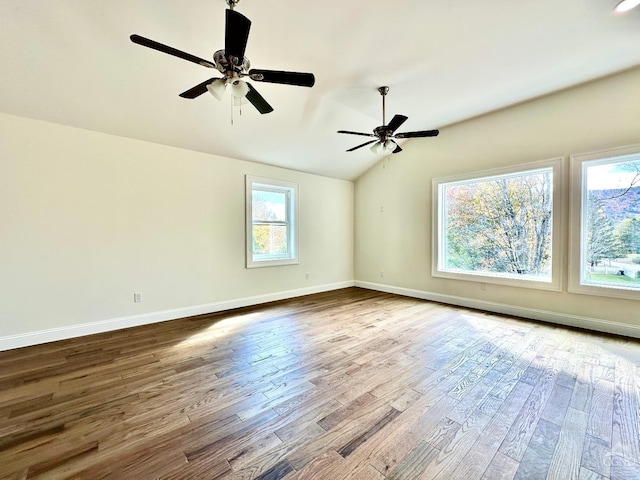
pixel 588 323
pixel 62 333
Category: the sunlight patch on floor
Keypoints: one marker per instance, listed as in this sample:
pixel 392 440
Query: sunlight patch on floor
pixel 218 330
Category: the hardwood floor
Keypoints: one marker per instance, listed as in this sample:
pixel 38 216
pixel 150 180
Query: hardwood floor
pixel 351 384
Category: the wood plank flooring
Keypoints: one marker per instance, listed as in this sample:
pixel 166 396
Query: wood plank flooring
pixel 351 384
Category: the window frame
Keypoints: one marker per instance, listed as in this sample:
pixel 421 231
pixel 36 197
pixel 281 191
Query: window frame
pixel 557 166
pixel 292 213
pixel 578 193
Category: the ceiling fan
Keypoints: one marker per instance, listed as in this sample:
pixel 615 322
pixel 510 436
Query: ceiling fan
pixel 233 65
pixel 385 134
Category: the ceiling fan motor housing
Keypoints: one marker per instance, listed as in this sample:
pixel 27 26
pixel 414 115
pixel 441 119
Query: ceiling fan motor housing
pixel 224 65
pixel 382 132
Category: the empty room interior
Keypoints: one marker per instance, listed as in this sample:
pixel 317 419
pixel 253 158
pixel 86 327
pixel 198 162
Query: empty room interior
pixel 320 240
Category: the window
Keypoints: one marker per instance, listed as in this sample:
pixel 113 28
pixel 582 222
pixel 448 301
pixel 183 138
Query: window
pixel 605 230
pixel 272 209
pixel 500 226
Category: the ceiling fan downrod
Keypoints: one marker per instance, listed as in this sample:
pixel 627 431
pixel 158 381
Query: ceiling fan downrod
pixel 383 91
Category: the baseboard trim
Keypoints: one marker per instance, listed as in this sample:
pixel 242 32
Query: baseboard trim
pixel 62 333
pixel 588 323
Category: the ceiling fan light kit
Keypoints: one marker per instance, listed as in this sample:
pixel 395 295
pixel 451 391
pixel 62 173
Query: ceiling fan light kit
pixel 232 64
pixel 217 88
pixel 239 88
pixel 385 148
pixel 384 143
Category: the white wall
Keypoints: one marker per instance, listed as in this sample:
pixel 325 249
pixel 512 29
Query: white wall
pixel 87 219
pixel 594 116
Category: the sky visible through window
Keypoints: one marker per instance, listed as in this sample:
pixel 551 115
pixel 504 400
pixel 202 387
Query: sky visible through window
pixel 272 205
pixel 610 176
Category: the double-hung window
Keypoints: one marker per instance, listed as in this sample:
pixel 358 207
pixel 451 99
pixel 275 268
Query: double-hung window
pixel 500 226
pixel 605 223
pixel 271 213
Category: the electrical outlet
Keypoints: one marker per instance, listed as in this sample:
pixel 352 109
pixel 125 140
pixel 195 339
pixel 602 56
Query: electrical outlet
pixel 137 297
pixel 381 273
pixel 306 276
pixel 483 287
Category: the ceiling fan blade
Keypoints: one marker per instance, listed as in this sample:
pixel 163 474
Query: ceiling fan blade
pixel 198 89
pixel 145 42
pixel 236 35
pixel 398 149
pixel 357 133
pixel 287 78
pixel 257 101
pixel 424 133
pixel 395 122
pixel 363 145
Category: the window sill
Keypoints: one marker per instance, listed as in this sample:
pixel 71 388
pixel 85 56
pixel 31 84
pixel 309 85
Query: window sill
pixel 524 281
pixel 272 263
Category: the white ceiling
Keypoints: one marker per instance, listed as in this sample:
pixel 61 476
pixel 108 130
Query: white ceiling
pixel 71 62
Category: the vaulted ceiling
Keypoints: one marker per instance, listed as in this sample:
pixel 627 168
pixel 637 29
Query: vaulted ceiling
pixel 71 62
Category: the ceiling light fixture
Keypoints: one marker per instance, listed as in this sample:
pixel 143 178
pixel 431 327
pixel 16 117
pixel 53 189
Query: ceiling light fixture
pixel 626 5
pixel 239 88
pixel 231 62
pixel 385 148
pixel 217 88
pixel 385 134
